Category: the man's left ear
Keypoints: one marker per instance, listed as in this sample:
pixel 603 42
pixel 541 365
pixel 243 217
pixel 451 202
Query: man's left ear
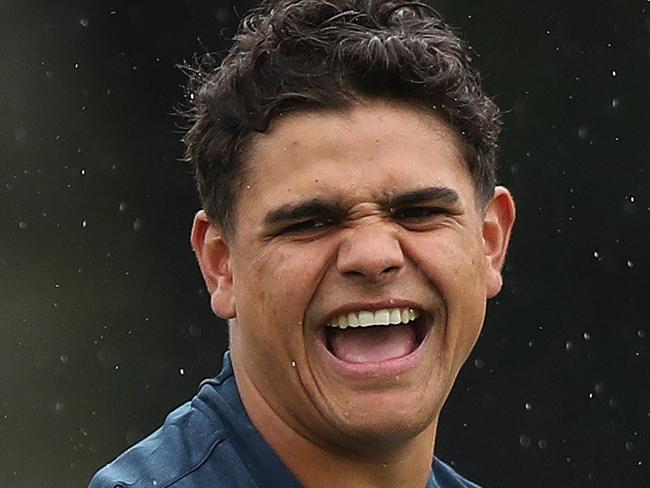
pixel 497 226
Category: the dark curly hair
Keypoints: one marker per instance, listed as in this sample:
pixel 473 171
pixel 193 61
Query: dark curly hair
pixel 296 55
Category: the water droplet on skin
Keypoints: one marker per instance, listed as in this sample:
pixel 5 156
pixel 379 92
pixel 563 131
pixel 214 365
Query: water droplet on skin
pixel 293 364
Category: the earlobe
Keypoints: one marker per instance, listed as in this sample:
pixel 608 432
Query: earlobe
pixel 213 254
pixel 497 227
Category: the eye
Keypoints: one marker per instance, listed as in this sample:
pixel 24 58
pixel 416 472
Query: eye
pixel 417 215
pixel 307 226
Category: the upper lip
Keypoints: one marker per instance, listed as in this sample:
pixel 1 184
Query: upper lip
pixel 370 306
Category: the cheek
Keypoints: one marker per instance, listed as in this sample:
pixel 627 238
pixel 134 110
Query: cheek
pixel 279 282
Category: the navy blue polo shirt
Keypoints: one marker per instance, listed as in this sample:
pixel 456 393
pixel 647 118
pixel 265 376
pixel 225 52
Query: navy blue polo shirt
pixel 211 443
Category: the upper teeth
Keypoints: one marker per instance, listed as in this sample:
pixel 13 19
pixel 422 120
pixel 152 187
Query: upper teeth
pixel 367 318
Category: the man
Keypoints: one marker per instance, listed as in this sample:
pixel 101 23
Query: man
pixel 351 235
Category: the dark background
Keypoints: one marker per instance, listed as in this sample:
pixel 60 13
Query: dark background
pixel 104 326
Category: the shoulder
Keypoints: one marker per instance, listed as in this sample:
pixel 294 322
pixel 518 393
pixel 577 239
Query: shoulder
pixel 186 439
pixel 444 476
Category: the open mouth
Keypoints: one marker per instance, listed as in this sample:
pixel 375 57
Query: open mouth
pixel 373 336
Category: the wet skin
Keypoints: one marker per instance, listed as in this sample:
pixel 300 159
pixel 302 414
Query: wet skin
pixel 360 209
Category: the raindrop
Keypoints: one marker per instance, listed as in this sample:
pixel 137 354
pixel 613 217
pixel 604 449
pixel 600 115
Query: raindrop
pixel 616 103
pixel 528 406
pixel 478 363
pixel 76 65
pixel 583 132
pixel 599 388
pixel 59 406
pixel 20 135
pixel 137 225
pixel 629 446
pixel 542 444
pixel 524 441
pixel 614 73
pixel 84 224
pixel 84 22
pixel 640 334
pixel 82 171
pixel 108 356
pixel 64 358
pixel 22 224
pixel 631 198
pixel 569 345
pixel 123 206
pixel 629 264
pixel 597 255
pixel 181 371
pixel 586 336
pixel 49 73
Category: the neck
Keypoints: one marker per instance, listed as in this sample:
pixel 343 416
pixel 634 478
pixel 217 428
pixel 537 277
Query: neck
pixel 316 465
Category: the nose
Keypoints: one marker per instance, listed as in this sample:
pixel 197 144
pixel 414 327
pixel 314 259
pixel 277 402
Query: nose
pixel 372 252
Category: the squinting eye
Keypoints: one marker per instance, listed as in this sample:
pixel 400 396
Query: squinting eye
pixel 306 226
pixel 416 214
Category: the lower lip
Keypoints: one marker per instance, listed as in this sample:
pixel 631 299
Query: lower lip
pixel 390 367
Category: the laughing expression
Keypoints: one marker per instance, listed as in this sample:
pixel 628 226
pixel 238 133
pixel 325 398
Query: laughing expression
pixel 358 272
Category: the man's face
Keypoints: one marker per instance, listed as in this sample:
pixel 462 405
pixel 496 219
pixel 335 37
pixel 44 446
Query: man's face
pixel 368 215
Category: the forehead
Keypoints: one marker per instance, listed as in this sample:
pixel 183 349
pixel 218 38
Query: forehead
pixel 368 151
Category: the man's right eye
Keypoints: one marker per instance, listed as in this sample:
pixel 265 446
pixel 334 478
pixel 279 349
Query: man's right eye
pixel 307 226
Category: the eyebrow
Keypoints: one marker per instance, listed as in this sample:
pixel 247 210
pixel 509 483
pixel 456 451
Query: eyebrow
pixel 301 210
pixel 440 194
pixel 335 210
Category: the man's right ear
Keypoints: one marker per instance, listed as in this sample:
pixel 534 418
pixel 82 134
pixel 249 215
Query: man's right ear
pixel 213 254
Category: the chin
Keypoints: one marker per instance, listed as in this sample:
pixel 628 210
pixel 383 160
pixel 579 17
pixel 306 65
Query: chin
pixel 379 424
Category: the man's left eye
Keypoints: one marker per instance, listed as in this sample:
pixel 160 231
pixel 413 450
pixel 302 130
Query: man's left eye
pixel 416 214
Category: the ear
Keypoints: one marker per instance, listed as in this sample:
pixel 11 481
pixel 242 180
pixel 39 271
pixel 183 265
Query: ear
pixel 497 226
pixel 213 254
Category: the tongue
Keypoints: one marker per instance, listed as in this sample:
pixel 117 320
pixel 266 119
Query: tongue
pixel 372 344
